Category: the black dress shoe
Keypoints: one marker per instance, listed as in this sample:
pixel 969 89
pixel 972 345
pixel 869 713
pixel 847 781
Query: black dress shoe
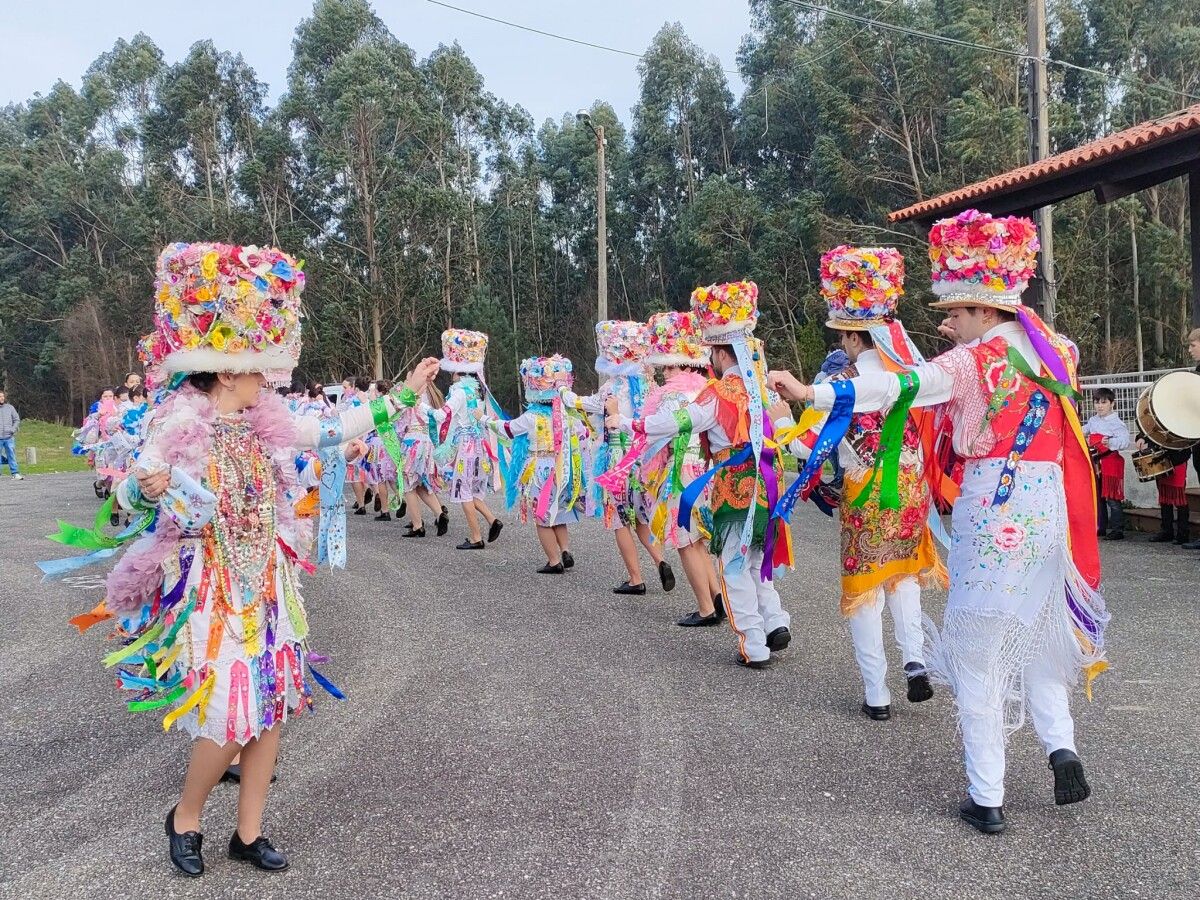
pixel 1120 536
pixel 778 639
pixel 666 575
pixel 556 569
pixel 752 663
pixel 1070 784
pixel 568 560
pixel 988 819
pixel 469 545
pixel 719 606
pixel 378 503
pixel 627 588
pixel 494 531
pixel 443 522
pixel 414 532
pixel 233 774
pixel 369 495
pixel 403 509
pixel 360 510
pixel 1190 545
pixel 877 713
pixel 695 620
pixel 919 688
pixel 259 853
pixel 384 517
pixel 184 848
pixel 1162 537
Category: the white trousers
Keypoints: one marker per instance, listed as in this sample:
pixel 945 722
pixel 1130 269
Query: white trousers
pixel 982 721
pixel 866 630
pixel 754 607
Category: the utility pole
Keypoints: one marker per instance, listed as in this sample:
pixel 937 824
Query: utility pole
pixel 1039 149
pixel 601 231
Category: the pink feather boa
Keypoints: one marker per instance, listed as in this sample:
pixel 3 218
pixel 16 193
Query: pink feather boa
pixel 688 383
pixel 183 427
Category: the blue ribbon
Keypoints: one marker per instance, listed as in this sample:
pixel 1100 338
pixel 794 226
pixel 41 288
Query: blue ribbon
pixel 832 433
pixel 1034 417
pixel 331 536
pixel 691 493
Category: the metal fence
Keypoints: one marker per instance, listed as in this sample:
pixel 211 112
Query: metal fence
pixel 1128 386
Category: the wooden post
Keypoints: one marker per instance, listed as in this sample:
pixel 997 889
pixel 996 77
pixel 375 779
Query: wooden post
pixel 1194 221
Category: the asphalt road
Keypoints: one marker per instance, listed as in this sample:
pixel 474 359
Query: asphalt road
pixel 516 735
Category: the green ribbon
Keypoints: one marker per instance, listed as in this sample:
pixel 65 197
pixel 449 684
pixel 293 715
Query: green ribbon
pixel 886 471
pixel 158 702
pixel 130 649
pixel 683 420
pixel 391 443
pixel 94 538
pixel 1017 361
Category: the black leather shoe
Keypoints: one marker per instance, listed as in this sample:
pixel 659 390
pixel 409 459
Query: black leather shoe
pixel 1120 536
pixel 184 848
pixel 556 569
pixel 1162 537
pixel 259 853
pixel 232 774
pixel 368 495
pixel 494 531
pixel 384 517
pixel 443 522
pixel 695 620
pixel 877 713
pixel 568 560
pixel 1190 545
pixel 919 688
pixel 752 663
pixel 1070 784
pixel 360 510
pixel 778 639
pixel 468 545
pixel 414 532
pixel 666 575
pixel 403 510
pixel 627 588
pixel 719 606
pixel 988 819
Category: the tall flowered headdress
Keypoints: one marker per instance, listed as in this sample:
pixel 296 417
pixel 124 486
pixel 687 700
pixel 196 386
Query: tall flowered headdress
pixel 463 350
pixel 726 311
pixel 981 260
pixel 544 377
pixel 224 308
pixel 862 286
pixel 675 340
pixel 622 347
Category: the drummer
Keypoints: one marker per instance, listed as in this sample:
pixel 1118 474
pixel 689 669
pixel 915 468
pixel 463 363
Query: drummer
pixel 1172 495
pixel 1107 436
pixel 1193 348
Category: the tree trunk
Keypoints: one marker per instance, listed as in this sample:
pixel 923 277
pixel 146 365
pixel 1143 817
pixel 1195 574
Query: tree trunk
pixel 1137 305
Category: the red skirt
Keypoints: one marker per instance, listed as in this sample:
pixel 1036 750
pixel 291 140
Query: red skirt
pixel 1171 487
pixel 1112 476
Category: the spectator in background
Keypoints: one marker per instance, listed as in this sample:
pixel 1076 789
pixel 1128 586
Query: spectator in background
pixel 132 380
pixel 1107 436
pixel 1193 347
pixel 9 423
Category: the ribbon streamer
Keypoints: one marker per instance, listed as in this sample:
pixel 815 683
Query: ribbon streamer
pixel 832 432
pixel 886 471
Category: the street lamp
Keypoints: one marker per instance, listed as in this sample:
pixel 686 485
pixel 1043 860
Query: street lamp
pixel 601 227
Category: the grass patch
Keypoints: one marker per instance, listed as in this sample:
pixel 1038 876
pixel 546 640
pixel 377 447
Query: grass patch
pixel 53 443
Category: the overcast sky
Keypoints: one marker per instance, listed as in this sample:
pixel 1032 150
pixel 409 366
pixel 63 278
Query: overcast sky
pixel 45 40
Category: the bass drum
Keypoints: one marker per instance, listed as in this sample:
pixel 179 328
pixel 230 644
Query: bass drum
pixel 1168 412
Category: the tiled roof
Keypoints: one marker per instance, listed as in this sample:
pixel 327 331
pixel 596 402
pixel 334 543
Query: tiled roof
pixel 1106 149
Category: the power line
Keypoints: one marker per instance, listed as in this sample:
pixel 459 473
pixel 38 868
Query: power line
pixel 971 45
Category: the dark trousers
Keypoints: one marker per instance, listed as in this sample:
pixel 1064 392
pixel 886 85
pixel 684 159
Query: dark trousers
pixel 1110 516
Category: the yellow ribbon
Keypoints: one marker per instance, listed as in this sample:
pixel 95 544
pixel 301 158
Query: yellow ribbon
pixel 201 693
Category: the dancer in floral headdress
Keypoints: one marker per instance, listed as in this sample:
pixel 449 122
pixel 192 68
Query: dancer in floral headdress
pixel 887 549
pixel 466 447
pixel 207 605
pixel 545 473
pixel 676 347
pixel 747 474
pixel 1025 617
pixel 621 363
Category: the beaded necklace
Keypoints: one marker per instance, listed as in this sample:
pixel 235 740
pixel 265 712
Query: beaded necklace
pixel 242 477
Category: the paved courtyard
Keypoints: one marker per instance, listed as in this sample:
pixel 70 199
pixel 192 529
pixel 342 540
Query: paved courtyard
pixel 520 736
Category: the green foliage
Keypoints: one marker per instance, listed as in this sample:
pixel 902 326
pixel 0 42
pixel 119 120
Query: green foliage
pixel 419 200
